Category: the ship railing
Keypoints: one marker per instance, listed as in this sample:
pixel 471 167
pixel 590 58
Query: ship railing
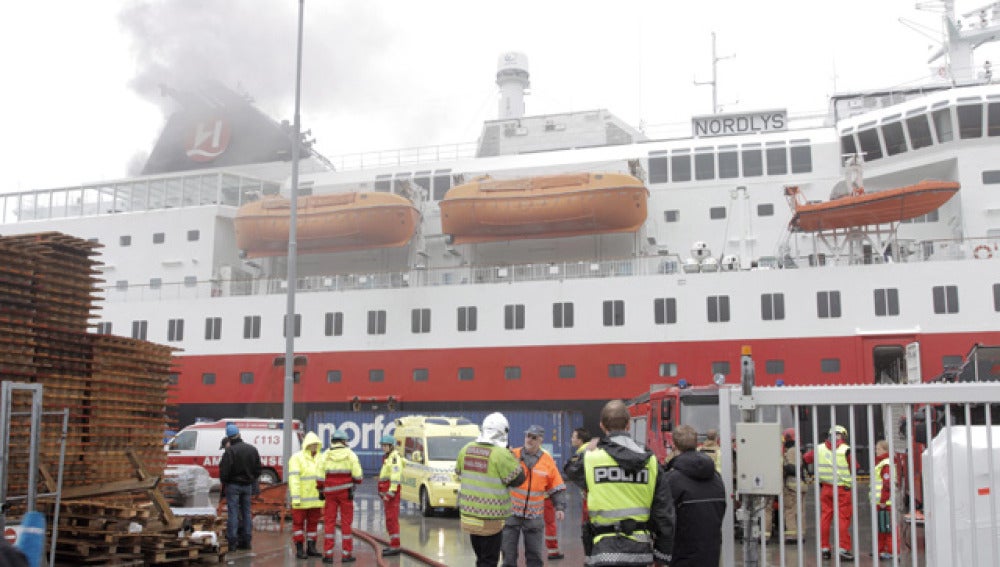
pixel 403 156
pixel 916 251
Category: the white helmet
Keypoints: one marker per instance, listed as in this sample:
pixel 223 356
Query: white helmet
pixel 495 429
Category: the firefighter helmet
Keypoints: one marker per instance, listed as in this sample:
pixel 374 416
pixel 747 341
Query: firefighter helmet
pixel 788 434
pixel 838 430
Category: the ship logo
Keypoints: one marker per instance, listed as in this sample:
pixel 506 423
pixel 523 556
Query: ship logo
pixel 210 139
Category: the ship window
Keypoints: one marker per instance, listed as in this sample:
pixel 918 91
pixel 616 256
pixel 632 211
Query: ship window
pixel 680 165
pixel 383 183
pixel 334 324
pixel 777 161
pixel 996 302
pixel 942 125
pixel 895 142
pixel 175 330
pixel 704 166
pixel 801 158
pixel 190 281
pixel 847 146
pixel 720 367
pixel 139 329
pixel 567 371
pixel 886 302
pixel 376 375
pixel 442 183
pixel 616 371
pixel 376 322
pixel 717 213
pixel 159 238
pixel 870 145
pixel 668 369
pixel 993 119
pixel 121 285
pixel 658 169
pixel 673 215
pixel 251 327
pixel 765 210
pixel 718 308
pixel 951 361
pixel 970 121
pixel 466 374
pixel 194 235
pixel 774 366
pixel 467 318
pixel 829 365
pixel 920 131
pixel 333 376
pixel 665 310
pixel 420 320
pixel 298 325
pixel 155 283
pixel 991 177
pixel 772 306
pixel 246 377
pixel 828 304
pixel 513 316
pixel 125 240
pixel 213 328
pixel 562 315
pixel 173 378
pixel 420 374
pixel 104 328
pixel 753 163
pixel 512 372
pixel 614 313
pixel 208 378
pixel 729 164
pixel 945 298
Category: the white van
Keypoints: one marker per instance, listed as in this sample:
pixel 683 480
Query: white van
pixel 200 444
pixel 430 447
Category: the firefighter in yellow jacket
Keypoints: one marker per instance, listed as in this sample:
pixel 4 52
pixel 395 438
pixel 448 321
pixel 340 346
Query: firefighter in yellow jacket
pixel 388 490
pixel 307 507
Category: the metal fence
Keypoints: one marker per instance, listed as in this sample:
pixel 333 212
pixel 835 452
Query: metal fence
pixel 945 474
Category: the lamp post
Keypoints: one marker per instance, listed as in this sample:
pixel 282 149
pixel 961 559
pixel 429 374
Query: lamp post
pixel 289 384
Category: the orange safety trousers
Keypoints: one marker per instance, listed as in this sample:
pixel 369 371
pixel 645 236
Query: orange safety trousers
pixel 338 501
pixel 845 509
pixel 304 523
pixel 551 528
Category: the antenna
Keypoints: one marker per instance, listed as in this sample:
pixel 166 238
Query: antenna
pixel 713 82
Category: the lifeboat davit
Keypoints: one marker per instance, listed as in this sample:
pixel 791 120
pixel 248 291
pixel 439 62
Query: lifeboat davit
pixel 548 206
pixel 337 222
pixel 862 209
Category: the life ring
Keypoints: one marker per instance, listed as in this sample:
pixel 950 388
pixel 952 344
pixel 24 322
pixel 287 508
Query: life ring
pixel 987 252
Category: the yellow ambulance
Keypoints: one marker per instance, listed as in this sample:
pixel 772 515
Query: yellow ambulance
pixel 429 446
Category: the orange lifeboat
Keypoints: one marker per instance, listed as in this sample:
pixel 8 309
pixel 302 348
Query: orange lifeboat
pixel 548 206
pixel 862 209
pixel 336 222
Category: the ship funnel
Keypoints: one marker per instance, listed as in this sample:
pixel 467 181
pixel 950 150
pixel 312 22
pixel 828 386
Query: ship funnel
pixel 512 78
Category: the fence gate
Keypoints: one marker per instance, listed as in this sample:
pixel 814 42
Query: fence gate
pixel 945 473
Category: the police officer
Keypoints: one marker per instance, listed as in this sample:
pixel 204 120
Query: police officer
pixel 388 490
pixel 341 471
pixel 488 469
pixel 307 508
pixel 629 504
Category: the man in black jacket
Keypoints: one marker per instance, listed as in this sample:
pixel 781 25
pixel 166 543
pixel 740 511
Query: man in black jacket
pixel 239 471
pixel 700 500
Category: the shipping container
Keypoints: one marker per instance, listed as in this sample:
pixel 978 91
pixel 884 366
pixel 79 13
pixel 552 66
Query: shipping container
pixel 365 428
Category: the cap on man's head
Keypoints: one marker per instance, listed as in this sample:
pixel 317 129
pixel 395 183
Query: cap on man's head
pixel 536 430
pixel 232 430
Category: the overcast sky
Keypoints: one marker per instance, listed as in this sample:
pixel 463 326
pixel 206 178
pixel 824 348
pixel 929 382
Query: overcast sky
pixel 82 104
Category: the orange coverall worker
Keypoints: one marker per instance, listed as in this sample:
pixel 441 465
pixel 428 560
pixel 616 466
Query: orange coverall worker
pixel 341 472
pixel 307 508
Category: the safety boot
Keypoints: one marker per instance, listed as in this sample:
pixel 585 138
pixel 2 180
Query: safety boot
pixel 311 550
pixel 300 551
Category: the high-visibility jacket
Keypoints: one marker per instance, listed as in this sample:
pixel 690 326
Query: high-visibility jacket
pixel 711 448
pixel 824 465
pixel 541 481
pixel 341 469
pixel 614 495
pixel 877 484
pixel 391 474
pixel 303 472
pixel 486 471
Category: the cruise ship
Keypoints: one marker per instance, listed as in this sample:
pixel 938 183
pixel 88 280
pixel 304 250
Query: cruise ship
pixel 560 260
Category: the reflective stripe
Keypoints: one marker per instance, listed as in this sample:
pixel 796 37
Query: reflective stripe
pixel 338 487
pixel 616 514
pixel 620 559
